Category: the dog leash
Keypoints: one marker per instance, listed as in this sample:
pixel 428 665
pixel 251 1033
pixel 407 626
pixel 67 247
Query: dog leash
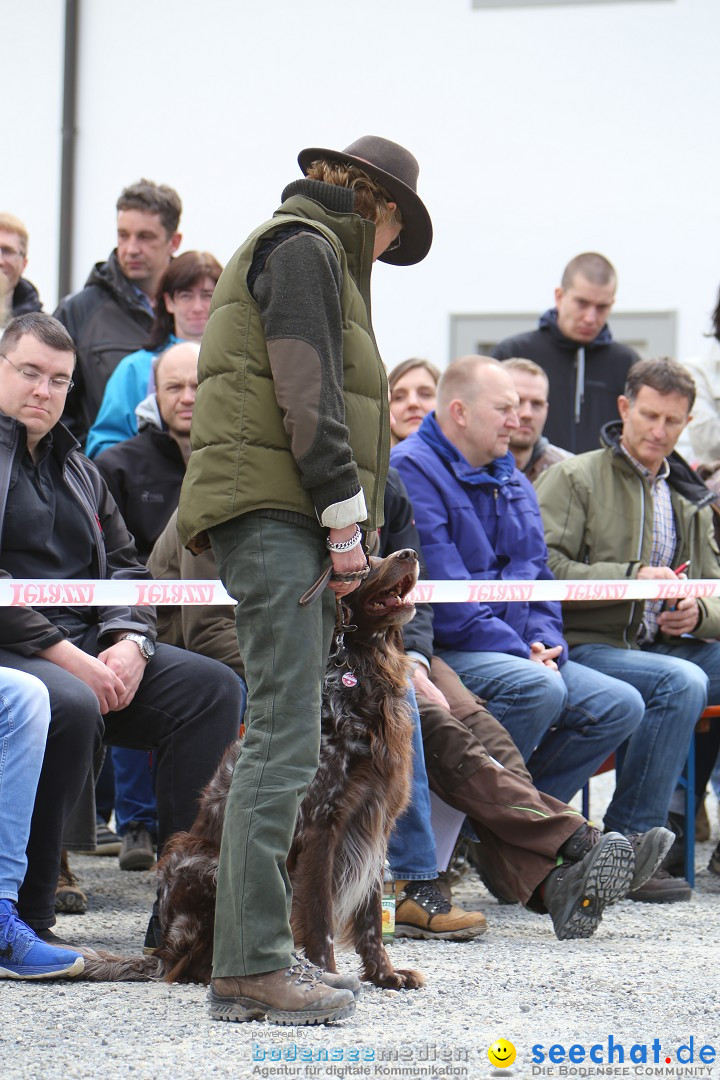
pixel 317 587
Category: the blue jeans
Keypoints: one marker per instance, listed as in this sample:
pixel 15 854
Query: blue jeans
pixel 676 682
pixel 411 848
pixel 134 790
pixel 24 723
pixel 564 725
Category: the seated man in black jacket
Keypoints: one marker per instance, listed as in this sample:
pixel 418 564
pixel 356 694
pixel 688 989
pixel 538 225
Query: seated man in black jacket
pixel 144 475
pixel 106 677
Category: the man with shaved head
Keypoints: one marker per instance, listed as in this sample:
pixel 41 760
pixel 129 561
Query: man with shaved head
pixel 586 369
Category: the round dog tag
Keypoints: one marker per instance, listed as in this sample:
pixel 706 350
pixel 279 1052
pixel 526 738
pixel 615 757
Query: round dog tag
pixel 349 679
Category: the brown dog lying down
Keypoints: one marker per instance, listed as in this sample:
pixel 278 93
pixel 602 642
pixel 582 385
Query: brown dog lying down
pixel 361 786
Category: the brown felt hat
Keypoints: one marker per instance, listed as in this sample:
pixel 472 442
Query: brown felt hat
pixel 397 170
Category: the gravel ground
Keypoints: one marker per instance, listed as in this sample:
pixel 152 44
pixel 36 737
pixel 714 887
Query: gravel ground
pixel 650 972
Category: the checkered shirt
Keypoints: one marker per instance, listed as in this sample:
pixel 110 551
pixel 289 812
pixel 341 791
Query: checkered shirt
pixel 664 538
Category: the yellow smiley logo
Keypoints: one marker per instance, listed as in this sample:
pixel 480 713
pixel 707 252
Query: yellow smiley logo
pixel 501 1053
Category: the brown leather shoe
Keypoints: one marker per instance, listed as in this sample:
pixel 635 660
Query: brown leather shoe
pixel 291 996
pixel 69 897
pixel 422 911
pixel 662 888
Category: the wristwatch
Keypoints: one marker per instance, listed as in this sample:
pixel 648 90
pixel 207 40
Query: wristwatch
pixel 144 644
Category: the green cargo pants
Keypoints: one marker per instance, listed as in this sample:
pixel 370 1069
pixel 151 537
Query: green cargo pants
pixel 266 565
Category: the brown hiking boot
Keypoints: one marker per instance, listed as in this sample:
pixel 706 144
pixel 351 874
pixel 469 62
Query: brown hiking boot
pixel 291 996
pixel 69 897
pixel 422 911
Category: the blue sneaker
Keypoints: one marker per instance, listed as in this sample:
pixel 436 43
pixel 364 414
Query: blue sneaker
pixel 24 956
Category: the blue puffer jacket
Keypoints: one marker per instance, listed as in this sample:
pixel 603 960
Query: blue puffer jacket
pixel 481 524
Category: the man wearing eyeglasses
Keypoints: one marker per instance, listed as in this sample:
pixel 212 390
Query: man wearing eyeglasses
pixel 21 295
pixel 106 677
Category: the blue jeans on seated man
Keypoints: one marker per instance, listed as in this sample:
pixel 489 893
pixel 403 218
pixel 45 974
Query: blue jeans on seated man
pixel 565 724
pixel 411 848
pixel 24 723
pixel 676 681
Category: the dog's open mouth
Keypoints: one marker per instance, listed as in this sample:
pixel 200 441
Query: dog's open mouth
pixel 392 598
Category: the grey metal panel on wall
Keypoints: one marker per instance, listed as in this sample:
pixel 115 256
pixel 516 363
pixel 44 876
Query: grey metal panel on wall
pixel 651 333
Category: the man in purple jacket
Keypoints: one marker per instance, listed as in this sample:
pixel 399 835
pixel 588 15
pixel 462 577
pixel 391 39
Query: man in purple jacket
pixel 478 519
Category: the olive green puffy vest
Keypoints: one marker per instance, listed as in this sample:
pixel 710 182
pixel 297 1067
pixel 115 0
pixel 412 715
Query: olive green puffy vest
pixel 241 459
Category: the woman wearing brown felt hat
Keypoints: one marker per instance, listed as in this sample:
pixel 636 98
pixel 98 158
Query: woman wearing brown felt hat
pixel 291 443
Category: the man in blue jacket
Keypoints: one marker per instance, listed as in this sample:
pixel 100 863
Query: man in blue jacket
pixel 478 519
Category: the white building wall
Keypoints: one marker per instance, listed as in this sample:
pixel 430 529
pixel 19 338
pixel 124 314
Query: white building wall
pixel 540 132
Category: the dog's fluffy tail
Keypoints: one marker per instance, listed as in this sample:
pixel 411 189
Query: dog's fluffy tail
pixel 105 967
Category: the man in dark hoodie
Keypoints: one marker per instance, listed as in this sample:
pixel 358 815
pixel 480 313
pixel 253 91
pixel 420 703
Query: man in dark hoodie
pixel 113 314
pixel 586 369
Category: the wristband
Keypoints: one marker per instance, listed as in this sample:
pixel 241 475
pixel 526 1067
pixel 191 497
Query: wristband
pixel 345 545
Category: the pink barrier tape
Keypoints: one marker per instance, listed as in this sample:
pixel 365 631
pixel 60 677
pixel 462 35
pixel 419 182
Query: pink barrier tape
pixel 24 592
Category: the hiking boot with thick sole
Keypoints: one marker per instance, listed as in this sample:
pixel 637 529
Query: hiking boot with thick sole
pixel 69 897
pixel 292 996
pixel 650 849
pixel 577 893
pixel 23 955
pixel 421 911
pixel 137 852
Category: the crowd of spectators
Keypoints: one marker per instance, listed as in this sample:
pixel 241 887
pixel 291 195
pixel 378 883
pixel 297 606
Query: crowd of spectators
pixel 556 457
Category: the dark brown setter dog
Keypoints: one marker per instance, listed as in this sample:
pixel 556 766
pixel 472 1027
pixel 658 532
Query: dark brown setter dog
pixel 361 786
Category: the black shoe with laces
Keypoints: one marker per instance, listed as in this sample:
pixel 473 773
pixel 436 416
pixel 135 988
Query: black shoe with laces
pixel 577 893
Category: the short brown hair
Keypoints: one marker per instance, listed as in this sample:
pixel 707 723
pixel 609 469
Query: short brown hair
pixel 41 326
pixel 521 363
pixel 13 224
pixel 153 198
pixel 661 374
pixel 409 365
pixel 593 266
pixel 371 198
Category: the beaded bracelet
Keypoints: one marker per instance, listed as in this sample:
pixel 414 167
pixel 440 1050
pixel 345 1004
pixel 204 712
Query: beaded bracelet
pixel 345 545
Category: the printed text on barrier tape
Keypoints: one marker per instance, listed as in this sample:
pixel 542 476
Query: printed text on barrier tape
pixel 16 592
